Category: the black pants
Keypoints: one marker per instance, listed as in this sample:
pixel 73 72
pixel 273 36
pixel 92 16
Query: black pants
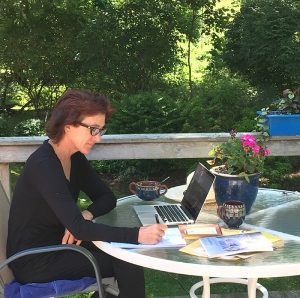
pixel 73 265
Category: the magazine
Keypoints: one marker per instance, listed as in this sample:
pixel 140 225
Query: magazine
pixel 220 246
pixel 196 249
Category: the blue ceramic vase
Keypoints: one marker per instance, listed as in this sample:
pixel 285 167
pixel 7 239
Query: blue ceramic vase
pixel 233 187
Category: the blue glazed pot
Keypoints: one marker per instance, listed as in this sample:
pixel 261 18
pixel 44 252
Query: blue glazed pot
pixel 233 187
pixel 148 190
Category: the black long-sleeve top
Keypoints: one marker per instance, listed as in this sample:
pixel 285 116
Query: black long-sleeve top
pixel 44 204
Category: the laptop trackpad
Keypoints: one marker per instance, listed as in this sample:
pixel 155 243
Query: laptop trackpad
pixel 146 214
pixel 145 209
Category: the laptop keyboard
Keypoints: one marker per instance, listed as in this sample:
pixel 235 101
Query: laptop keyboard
pixel 170 213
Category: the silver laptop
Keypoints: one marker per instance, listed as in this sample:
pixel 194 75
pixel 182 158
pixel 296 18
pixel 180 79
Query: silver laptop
pixel 189 208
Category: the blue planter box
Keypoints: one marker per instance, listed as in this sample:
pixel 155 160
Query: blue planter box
pixel 283 125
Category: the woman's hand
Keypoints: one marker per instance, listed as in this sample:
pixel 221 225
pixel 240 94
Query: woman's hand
pixel 68 237
pixel 151 234
pixel 87 215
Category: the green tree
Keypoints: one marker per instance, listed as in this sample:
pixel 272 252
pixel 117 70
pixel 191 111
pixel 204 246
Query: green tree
pixel 114 45
pixel 37 51
pixel 263 43
pixel 140 42
pixel 204 19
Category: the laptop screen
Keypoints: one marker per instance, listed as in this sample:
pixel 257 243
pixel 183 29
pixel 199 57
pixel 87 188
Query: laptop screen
pixel 197 191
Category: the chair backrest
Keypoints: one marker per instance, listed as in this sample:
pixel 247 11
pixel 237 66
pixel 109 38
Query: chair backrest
pixel 5 274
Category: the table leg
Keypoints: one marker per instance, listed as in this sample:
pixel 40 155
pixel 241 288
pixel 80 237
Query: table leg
pixel 205 283
pixel 252 287
pixel 251 283
pixel 206 287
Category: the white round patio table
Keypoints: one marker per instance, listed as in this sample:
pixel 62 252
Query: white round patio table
pixel 275 211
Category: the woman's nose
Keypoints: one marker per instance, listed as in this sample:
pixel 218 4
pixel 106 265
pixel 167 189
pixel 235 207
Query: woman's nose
pixel 97 137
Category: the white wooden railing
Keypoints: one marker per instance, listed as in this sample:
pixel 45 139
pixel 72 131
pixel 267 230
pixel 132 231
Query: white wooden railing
pixel 138 146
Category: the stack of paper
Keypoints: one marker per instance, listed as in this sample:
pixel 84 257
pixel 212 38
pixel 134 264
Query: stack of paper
pixel 172 238
pixel 235 244
pixel 195 248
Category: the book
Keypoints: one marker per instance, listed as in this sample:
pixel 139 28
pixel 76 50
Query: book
pixel 172 238
pixel 219 246
pixel 202 230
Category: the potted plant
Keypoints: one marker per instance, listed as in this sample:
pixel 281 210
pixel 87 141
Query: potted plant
pixel 282 117
pixel 237 167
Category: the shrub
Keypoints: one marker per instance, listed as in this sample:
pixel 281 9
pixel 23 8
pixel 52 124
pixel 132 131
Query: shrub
pixel 7 125
pixel 221 103
pixel 30 127
pixel 276 171
pixel 146 112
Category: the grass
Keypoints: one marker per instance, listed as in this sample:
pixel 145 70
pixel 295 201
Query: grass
pixel 161 284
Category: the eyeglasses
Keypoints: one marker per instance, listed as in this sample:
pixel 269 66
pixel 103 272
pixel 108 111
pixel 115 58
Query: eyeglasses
pixel 94 130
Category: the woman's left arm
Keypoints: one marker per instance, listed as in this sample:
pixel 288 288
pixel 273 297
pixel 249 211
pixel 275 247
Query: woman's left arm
pixel 103 199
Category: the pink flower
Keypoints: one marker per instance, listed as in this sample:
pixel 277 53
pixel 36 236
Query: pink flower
pixel 266 151
pixel 248 140
pixel 256 149
pixel 248 143
pixel 248 137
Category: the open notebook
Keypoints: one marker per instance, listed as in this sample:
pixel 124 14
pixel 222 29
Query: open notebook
pixel 189 208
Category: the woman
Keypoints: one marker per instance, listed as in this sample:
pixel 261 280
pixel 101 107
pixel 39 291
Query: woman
pixel 44 211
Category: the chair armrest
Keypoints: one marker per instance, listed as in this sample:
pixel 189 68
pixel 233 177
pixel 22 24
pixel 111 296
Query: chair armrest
pixel 60 247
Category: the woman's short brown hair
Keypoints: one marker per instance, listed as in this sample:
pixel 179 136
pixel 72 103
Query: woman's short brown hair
pixel 72 107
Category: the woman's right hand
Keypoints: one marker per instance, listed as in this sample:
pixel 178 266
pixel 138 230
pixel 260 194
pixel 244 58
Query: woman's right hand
pixel 151 234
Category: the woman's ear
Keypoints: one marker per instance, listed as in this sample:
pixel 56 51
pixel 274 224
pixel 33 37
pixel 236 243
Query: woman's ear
pixel 67 128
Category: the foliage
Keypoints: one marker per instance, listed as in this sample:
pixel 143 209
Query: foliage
pixel 38 46
pixel 113 46
pixel 146 112
pixel 220 102
pixel 6 126
pixel 263 42
pixel 134 44
pixel 289 103
pixel 275 173
pixel 210 19
pixel 20 125
pixel 30 127
pixel 240 156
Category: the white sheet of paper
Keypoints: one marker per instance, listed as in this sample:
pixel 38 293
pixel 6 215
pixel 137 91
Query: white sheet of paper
pixel 172 238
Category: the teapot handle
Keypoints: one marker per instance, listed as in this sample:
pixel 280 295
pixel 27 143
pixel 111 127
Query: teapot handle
pixel 132 187
pixel 163 189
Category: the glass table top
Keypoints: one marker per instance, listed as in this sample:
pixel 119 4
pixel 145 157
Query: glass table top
pixel 273 209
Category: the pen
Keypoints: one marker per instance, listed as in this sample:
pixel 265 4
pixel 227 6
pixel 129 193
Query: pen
pixel 156 218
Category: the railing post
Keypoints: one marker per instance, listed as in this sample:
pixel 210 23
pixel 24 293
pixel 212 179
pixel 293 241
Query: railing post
pixel 5 177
